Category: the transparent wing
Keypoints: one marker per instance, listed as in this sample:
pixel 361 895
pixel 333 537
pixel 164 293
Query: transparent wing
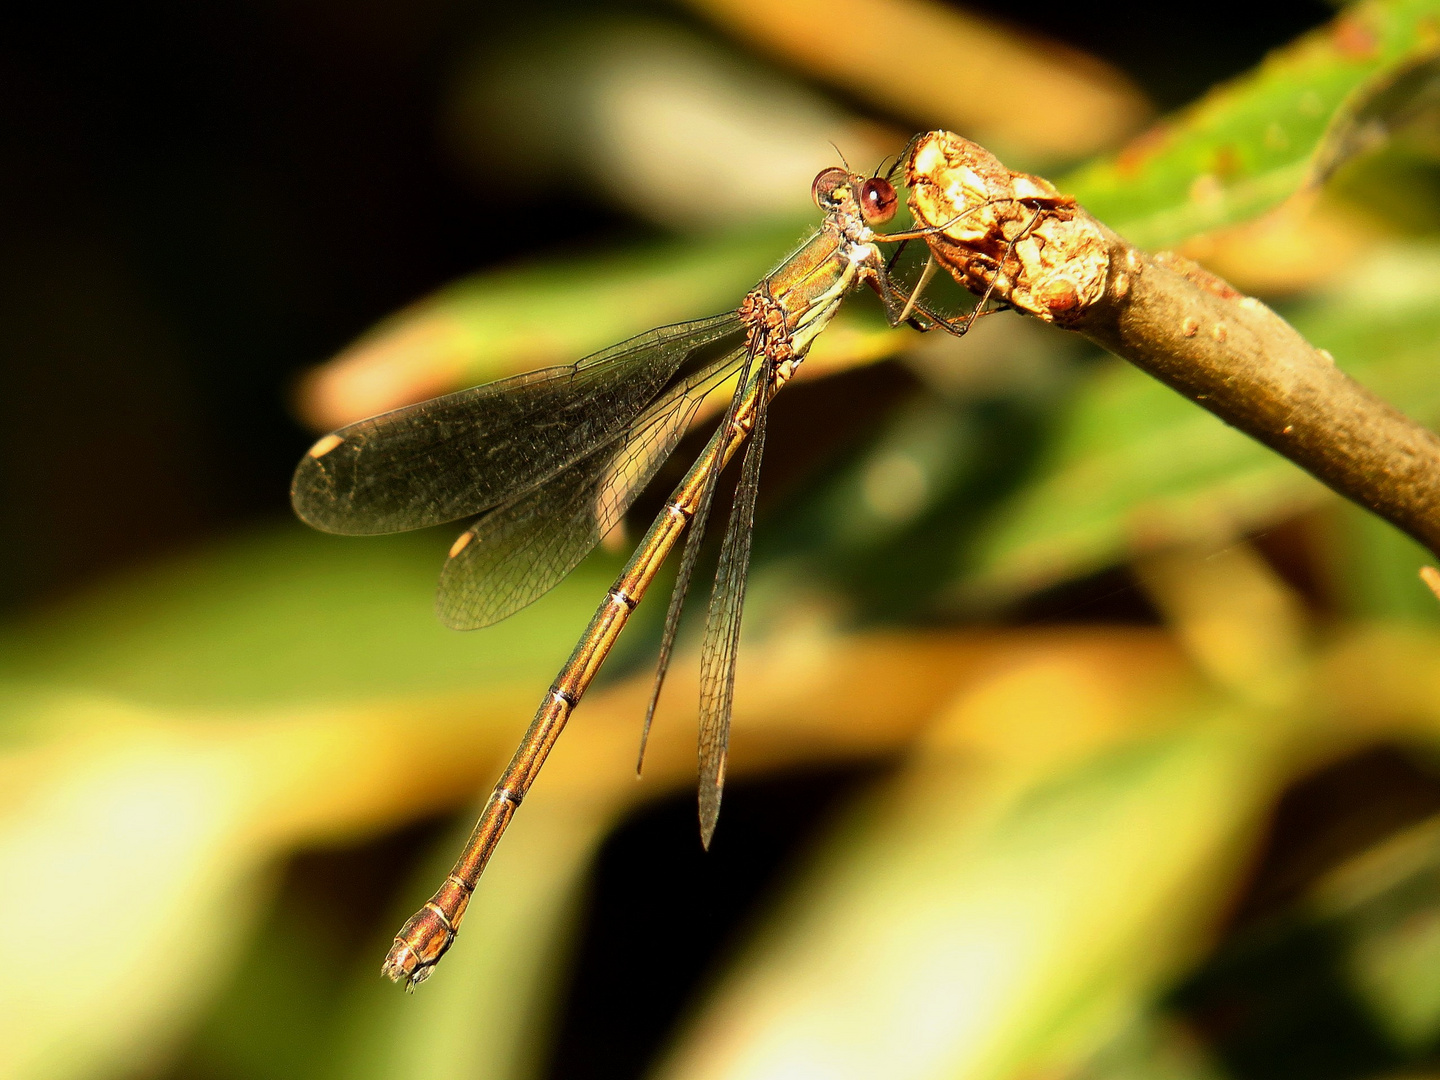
pixel 722 625
pixel 458 455
pixel 523 548
pixel 698 522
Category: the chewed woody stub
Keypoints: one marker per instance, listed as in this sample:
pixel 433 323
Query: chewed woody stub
pixel 1006 232
pixel 1015 239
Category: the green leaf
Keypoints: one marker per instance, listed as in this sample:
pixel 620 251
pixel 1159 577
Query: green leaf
pixel 1386 905
pixel 1253 142
pixel 498 322
pixel 920 941
pixel 1376 573
pixel 288 616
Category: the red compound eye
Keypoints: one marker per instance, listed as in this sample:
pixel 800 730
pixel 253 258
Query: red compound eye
pixel 877 200
pixel 823 189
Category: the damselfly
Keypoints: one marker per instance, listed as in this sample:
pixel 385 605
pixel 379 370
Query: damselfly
pixel 551 460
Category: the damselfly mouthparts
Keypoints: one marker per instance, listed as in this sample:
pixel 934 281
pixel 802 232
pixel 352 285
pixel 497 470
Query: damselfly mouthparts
pixel 551 460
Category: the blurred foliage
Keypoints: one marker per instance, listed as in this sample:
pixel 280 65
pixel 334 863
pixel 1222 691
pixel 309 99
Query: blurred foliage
pixel 1059 867
pixel 1249 145
pixel 1133 466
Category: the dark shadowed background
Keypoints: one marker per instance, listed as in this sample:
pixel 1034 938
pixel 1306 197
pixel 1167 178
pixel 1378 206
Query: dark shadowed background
pixel 201 204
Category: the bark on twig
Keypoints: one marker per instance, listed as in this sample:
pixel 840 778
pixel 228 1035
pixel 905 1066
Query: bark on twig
pixel 1225 351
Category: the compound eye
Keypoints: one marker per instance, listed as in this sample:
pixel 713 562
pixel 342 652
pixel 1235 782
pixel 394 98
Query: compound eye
pixel 877 200
pixel 823 189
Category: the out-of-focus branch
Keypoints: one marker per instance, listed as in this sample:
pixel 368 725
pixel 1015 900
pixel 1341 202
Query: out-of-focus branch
pixel 1056 102
pixel 1225 351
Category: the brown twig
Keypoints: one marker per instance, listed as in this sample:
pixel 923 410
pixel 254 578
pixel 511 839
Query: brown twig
pixel 1178 322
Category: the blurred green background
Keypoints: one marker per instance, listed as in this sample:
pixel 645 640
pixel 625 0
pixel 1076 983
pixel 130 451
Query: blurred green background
pixel 1076 735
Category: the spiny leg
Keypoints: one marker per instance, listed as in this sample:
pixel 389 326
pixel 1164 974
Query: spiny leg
pixel 889 294
pixel 924 280
pixel 896 301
